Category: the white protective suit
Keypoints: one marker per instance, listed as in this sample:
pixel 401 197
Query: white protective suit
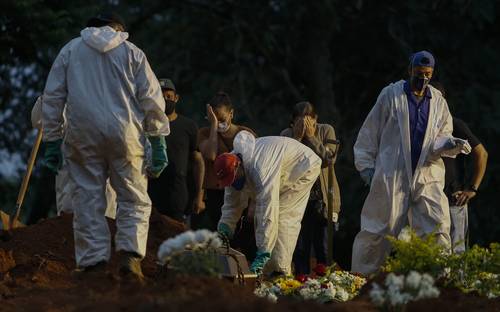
pixel 111 100
pixel 64 187
pixel 397 195
pixel 280 173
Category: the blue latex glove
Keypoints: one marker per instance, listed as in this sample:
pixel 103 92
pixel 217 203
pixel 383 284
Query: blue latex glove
pixel 158 155
pixel 367 175
pixel 225 230
pixel 53 156
pixel 260 261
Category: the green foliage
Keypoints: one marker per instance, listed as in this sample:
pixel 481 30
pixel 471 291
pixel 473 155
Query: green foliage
pixel 423 255
pixel 476 269
pixel 200 262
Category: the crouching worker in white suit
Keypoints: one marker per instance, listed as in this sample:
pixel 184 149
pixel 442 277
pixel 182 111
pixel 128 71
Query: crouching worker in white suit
pixel 112 102
pixel 398 153
pixel 64 187
pixel 278 174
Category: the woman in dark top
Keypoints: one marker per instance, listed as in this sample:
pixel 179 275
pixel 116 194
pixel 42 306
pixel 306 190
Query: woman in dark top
pixel 318 137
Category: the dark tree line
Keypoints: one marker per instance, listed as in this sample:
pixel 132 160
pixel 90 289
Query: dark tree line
pixel 268 55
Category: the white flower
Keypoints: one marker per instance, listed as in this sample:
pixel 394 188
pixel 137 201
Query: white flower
pixel 428 292
pixel 202 236
pixel 330 292
pixel 215 242
pixel 336 278
pixel 427 288
pixel 163 252
pixel 413 280
pixel 259 291
pixel 170 247
pixel 342 294
pixel 405 234
pixel 265 291
pixel 395 281
pixel 427 280
pixel 308 293
pixel 272 297
pixel 446 271
pixel 313 283
pixel 188 238
pixel 396 297
pixel 176 243
pixel 377 295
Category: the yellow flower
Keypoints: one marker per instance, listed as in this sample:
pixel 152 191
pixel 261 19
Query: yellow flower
pixel 288 286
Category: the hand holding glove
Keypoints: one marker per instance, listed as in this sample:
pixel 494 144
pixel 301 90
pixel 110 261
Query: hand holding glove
pixel 454 146
pixel 367 175
pixel 53 156
pixel 464 146
pixel 158 155
pixel 260 261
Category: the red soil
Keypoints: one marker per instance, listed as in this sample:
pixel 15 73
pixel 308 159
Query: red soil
pixel 36 265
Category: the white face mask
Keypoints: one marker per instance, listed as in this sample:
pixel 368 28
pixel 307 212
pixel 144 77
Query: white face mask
pixel 223 127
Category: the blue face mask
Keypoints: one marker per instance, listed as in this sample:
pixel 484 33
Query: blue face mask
pixel 239 183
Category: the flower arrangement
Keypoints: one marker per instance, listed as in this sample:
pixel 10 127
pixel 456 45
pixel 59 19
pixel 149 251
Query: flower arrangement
pixel 327 284
pixel 399 290
pixel 191 253
pixel 413 253
pixel 475 270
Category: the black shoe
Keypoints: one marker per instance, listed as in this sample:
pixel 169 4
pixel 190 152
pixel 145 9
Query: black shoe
pixel 130 266
pixel 98 269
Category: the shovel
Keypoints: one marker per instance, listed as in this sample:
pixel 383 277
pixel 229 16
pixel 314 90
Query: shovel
pixel 13 222
pixel 331 226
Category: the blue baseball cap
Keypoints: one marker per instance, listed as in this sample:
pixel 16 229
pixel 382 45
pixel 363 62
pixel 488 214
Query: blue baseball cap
pixel 422 58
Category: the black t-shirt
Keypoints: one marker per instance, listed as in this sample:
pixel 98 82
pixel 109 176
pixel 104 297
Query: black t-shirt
pixel 170 189
pixel 181 143
pixel 455 178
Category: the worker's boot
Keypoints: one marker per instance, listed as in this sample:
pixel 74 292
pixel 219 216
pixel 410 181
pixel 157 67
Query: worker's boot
pixel 130 267
pixel 96 270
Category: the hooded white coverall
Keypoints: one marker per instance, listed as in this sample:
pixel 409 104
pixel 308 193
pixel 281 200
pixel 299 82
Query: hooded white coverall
pixel 280 173
pixel 111 100
pixel 398 195
pixel 64 187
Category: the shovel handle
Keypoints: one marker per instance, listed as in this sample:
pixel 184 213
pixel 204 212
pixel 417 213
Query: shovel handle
pixel 26 179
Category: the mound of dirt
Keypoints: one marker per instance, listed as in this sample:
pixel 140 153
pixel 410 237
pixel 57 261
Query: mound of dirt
pixel 450 299
pixel 36 275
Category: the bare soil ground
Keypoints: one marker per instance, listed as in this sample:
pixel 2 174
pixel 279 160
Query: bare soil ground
pixel 36 267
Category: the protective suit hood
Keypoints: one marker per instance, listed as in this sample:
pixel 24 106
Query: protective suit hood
pixel 103 39
pixel 244 144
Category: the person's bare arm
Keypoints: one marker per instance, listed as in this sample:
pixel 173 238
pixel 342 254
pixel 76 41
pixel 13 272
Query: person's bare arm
pixel 208 147
pixel 199 174
pixel 480 159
